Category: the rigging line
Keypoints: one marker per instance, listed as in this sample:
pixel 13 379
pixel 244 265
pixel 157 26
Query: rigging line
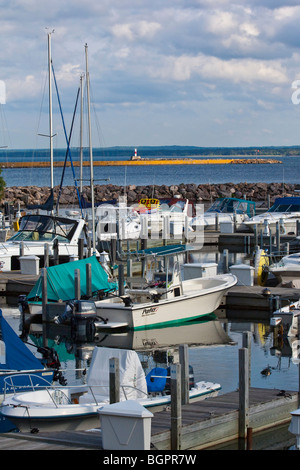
pixel 66 156
pixel 68 143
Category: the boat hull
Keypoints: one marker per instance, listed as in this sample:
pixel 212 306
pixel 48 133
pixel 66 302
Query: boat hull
pixel 202 298
pixel 28 417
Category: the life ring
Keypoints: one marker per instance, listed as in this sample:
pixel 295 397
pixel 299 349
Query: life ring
pixel 261 262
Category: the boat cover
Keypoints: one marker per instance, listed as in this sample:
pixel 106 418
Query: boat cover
pixel 61 285
pixel 14 354
pixel 131 372
pixel 162 250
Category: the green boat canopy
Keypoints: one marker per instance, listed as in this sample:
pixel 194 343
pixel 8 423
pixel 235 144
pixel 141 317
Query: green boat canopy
pixel 61 281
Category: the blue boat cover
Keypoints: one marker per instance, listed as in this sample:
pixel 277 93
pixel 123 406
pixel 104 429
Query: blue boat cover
pixel 61 285
pixel 156 379
pixel 16 355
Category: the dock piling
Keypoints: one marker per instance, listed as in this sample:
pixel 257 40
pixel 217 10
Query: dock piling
pixel 176 416
pixel 114 380
pixel 243 392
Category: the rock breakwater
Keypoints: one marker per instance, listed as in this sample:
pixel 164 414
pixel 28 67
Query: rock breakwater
pixel 197 193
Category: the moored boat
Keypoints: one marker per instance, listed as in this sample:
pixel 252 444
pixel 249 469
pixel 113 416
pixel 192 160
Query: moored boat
pixel 76 408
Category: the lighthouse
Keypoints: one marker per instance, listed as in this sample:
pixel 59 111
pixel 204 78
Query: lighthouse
pixel 135 156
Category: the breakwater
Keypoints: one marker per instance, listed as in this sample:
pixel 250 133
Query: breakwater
pixel 143 161
pixel 259 192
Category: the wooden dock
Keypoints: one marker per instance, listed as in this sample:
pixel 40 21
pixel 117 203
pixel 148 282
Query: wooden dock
pixel 204 424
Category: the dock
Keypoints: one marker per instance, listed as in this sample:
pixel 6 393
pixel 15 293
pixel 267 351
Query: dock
pixel 205 424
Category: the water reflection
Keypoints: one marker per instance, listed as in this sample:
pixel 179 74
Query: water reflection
pixel 213 349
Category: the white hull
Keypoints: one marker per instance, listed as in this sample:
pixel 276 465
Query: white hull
pixel 201 296
pixel 12 250
pixel 35 232
pixel 288 269
pixel 289 222
pixel 210 220
pixel 27 415
pixel 287 319
pixel 285 274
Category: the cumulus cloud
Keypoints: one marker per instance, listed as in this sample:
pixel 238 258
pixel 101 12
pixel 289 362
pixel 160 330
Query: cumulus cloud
pixel 180 55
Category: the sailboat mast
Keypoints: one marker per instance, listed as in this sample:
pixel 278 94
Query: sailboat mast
pixel 81 133
pixel 91 150
pixel 50 109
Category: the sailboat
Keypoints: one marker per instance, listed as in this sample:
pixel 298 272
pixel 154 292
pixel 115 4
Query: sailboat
pixel 37 230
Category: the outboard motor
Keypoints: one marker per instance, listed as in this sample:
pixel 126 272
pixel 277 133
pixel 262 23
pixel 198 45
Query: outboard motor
pixel 77 310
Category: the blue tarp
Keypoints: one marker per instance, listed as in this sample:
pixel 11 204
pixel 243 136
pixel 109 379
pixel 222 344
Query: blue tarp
pixel 17 355
pixel 61 281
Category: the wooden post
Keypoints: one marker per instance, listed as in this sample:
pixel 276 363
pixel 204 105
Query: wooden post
pixel 77 284
pixel 44 294
pixel 246 343
pixel 216 222
pixel 89 280
pixel 21 248
pixel 55 253
pixel 184 362
pixel 80 248
pixel 278 236
pixel 46 255
pixel 129 267
pixel 225 261
pixel 121 278
pixel 243 392
pixel 175 372
pixel 114 380
pixel 89 247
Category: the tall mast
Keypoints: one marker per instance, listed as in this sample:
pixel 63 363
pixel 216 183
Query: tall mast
pixel 50 109
pixel 81 132
pixel 90 146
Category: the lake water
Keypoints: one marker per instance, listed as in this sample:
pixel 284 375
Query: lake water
pixel 212 362
pixel 288 171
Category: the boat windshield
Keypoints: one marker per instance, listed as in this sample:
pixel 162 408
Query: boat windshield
pixel 285 208
pixel 229 205
pixel 45 228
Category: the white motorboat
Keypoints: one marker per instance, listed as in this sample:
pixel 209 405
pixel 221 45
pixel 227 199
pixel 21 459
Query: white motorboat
pixel 76 408
pixel 170 216
pixel 164 301
pixel 117 222
pixel 287 269
pixel 227 209
pixel 37 230
pixel 285 211
pixel 286 318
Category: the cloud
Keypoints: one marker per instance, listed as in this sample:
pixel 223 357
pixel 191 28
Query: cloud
pixel 183 59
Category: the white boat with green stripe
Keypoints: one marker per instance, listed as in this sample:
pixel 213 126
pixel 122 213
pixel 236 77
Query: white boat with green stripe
pixel 165 301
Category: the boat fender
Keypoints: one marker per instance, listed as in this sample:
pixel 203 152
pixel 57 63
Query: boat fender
pixel 261 263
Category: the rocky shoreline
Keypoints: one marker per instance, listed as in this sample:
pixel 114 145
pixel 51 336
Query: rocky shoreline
pixel 258 192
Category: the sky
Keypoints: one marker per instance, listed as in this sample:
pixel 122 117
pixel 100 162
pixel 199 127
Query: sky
pixel 167 72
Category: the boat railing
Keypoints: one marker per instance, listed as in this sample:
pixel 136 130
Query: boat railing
pixel 11 387
pixel 58 394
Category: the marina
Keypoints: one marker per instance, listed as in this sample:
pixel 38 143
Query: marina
pixel 150 255
pixel 252 399
pixel 202 422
